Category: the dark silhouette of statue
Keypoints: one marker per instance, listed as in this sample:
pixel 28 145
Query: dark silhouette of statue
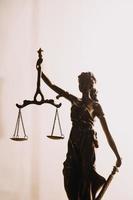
pixel 81 181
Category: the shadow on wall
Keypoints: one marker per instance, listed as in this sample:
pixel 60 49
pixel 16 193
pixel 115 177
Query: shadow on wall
pixel 1 107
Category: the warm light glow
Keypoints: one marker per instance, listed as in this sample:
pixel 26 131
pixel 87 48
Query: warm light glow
pixel 76 36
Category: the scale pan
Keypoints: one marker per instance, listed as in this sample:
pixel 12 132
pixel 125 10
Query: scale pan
pixel 54 137
pixel 19 138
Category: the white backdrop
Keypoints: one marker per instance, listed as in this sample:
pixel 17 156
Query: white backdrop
pixel 76 36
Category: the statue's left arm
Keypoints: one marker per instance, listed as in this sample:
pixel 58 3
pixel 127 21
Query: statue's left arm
pixel 100 115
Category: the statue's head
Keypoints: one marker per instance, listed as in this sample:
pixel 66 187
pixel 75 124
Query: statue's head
pixel 86 81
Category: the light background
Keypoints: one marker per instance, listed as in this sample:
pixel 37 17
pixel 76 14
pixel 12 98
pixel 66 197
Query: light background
pixel 76 36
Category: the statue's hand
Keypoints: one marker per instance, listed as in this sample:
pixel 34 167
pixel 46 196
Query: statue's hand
pixel 118 162
pixel 58 96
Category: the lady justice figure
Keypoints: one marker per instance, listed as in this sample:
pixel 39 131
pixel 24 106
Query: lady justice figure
pixel 81 181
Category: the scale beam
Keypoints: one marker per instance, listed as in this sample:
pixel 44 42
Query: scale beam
pixel 38 89
pixel 28 102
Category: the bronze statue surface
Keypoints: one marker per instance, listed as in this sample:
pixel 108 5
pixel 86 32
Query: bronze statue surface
pixel 81 181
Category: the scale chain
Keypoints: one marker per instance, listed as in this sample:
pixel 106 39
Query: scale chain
pixel 59 123
pixel 17 125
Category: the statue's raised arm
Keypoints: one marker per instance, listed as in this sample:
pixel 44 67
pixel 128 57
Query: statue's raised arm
pixel 58 90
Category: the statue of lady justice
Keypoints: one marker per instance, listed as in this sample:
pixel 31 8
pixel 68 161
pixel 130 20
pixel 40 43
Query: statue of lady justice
pixel 81 181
